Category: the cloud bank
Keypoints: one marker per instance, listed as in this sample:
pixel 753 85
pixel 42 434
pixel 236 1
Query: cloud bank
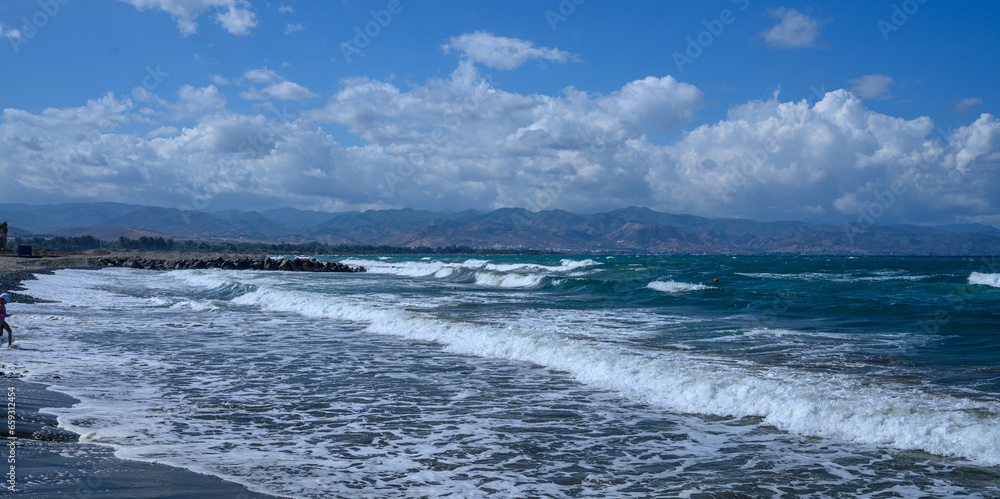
pixel 461 142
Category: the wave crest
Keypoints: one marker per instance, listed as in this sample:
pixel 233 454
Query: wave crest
pixel 985 279
pixel 674 287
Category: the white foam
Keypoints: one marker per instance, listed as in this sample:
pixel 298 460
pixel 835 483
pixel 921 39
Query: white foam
pixel 512 281
pixel 473 263
pixel 209 280
pixel 565 265
pixel 887 275
pixel 489 274
pixel 421 268
pixel 985 279
pixel 674 287
pixel 833 406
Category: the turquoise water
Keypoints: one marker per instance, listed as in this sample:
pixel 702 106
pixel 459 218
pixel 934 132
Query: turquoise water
pixel 548 376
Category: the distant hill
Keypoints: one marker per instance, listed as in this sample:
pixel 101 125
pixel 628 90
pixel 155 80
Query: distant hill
pixel 108 233
pixel 628 230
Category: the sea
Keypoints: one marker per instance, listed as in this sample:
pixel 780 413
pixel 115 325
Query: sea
pixel 538 376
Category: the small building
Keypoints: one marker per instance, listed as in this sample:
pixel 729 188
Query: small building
pixel 24 250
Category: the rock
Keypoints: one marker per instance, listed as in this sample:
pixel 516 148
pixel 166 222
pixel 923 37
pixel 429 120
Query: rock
pixel 240 263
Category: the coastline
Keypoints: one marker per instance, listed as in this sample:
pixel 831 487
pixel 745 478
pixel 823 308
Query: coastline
pixel 48 461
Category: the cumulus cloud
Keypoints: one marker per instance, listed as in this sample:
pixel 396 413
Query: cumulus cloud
pixel 965 105
pixel 198 101
pixel 262 75
pixel 163 131
pixel 773 157
pixel 872 87
pixel 664 102
pixel 463 142
pixel 292 28
pixel 237 20
pixel 278 87
pixel 500 52
pixel 283 90
pixel 235 16
pixel 794 29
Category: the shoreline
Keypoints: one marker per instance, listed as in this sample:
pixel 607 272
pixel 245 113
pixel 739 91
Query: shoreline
pixel 49 461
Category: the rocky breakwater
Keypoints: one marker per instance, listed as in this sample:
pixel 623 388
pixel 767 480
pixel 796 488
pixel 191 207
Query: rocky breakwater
pixel 239 263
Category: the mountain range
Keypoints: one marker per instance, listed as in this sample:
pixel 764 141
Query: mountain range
pixel 627 230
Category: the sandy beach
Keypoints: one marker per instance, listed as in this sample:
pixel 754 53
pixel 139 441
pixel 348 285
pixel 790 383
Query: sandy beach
pixel 41 460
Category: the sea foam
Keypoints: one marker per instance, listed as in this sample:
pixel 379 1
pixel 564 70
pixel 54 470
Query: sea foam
pixel 985 279
pixel 674 287
pixel 832 406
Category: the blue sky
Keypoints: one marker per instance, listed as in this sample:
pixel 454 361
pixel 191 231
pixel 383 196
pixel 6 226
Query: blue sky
pixel 830 111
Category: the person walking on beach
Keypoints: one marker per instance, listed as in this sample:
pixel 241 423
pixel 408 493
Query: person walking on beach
pixel 4 300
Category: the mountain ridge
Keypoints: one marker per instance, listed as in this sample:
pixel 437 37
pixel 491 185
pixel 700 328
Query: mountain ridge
pixel 631 229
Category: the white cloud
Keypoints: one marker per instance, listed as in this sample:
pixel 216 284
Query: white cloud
pixel 285 9
pixel 965 105
pixel 794 29
pixel 462 142
pixel 500 52
pixel 235 17
pixel 262 75
pixel 292 28
pixel 776 159
pixel 9 33
pixel 663 102
pixel 872 87
pixel 237 20
pixel 163 131
pixel 218 80
pixel 198 101
pixel 285 90
pixel 278 87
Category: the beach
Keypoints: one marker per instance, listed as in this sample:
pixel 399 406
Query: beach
pixel 513 376
pixel 49 462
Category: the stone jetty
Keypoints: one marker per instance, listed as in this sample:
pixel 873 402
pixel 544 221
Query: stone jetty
pixel 239 263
